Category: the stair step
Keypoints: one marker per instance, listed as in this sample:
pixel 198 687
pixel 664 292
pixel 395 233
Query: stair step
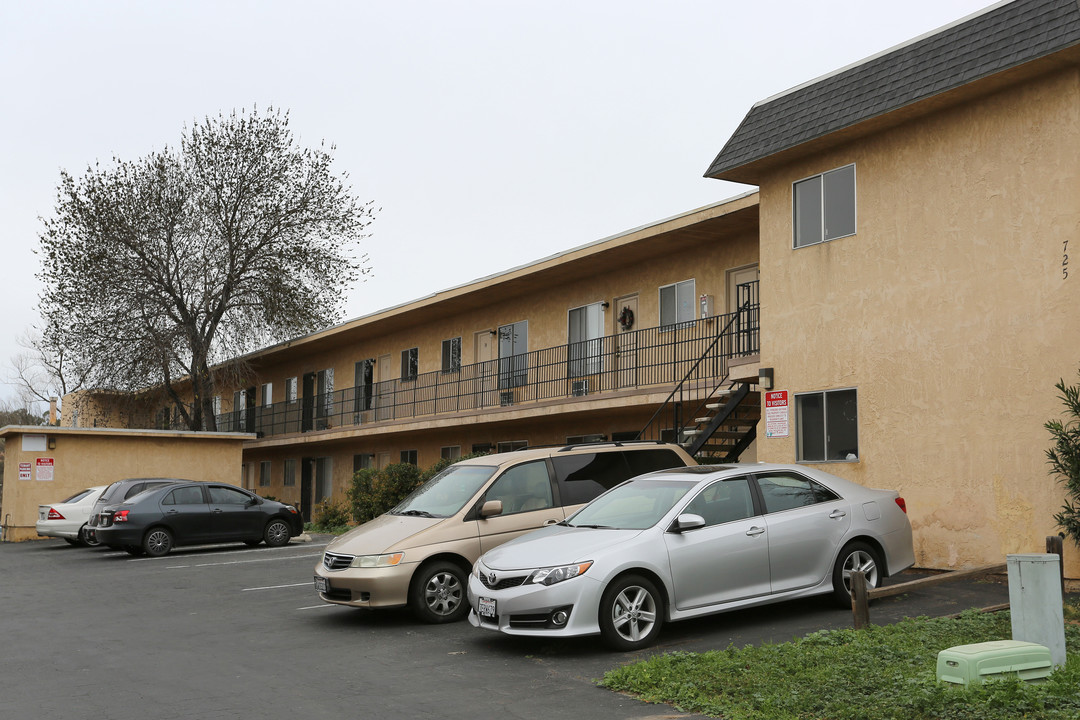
pixel 703 420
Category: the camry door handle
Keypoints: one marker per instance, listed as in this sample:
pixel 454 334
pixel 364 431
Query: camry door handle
pixel 837 514
pixel 754 531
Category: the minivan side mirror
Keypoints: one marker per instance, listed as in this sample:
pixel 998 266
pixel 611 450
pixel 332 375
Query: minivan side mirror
pixel 687 521
pixel 491 508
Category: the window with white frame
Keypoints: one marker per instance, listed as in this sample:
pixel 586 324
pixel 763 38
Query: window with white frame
pixel 677 303
pixel 267 394
pixel 511 445
pixel 264 473
pixel 586 327
pixel 290 390
pixel 408 457
pixel 289 475
pixel 410 363
pixel 215 404
pixel 513 357
pixel 451 452
pixel 827 426
pixel 451 355
pixel 824 207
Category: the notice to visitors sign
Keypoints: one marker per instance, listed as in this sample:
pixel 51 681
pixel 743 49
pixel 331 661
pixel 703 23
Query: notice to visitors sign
pixel 776 414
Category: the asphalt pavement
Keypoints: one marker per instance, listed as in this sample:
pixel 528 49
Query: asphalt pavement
pixel 238 632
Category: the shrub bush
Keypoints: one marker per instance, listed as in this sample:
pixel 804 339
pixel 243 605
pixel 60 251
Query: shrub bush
pixel 373 492
pixel 329 516
pixel 1064 458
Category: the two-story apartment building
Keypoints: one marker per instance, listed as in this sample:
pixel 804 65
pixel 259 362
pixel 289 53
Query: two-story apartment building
pixel 912 231
pixel 918 213
pixel 580 346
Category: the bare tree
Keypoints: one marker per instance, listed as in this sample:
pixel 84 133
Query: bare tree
pixel 163 270
pixel 40 373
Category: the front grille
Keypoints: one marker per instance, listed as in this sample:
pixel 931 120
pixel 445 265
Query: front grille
pixel 334 561
pixel 501 583
pixel 529 621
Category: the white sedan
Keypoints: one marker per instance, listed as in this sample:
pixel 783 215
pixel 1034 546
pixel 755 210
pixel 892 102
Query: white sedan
pixel 67 518
pixel 688 542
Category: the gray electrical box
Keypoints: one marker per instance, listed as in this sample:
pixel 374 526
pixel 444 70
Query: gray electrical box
pixel 1035 602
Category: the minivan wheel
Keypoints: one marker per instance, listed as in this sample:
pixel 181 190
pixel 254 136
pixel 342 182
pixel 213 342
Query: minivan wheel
pixel 277 533
pixel 631 613
pixel 438 593
pixel 854 556
pixel 157 542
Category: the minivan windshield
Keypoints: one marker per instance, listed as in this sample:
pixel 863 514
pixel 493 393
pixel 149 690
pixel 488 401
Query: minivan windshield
pixel 446 493
pixel 634 505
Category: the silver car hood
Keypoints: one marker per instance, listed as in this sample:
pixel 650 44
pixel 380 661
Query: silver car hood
pixel 555 545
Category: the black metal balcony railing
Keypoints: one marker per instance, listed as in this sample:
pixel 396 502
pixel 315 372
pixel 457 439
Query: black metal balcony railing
pixel 640 359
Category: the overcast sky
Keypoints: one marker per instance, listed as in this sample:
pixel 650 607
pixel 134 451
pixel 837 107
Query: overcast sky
pixel 491 134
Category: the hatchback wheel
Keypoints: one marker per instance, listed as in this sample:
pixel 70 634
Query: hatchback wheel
pixel 158 542
pixel 87 538
pixel 277 533
pixel 438 593
pixel 854 556
pixel 631 613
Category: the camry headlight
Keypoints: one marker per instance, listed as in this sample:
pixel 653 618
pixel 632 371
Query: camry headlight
pixel 372 561
pixel 552 575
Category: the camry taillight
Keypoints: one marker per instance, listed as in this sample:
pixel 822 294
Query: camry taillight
pixel 121 516
pixel 53 515
pixel 902 504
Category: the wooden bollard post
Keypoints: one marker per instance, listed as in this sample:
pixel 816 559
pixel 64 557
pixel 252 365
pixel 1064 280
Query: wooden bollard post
pixel 1055 545
pixel 860 603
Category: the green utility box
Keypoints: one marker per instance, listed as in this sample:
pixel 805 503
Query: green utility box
pixel 967 664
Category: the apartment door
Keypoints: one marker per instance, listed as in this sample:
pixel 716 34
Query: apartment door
pixel 484 369
pixel 307 475
pixel 307 417
pixel 626 336
pixel 742 288
pixel 384 392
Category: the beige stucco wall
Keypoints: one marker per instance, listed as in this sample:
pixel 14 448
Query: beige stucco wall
pixel 949 312
pixel 83 458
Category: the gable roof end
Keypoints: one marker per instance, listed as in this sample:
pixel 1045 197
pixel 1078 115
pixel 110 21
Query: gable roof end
pixel 999 38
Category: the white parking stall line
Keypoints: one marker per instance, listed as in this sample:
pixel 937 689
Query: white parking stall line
pixel 220 553
pixel 278 587
pixel 244 562
pixel 317 607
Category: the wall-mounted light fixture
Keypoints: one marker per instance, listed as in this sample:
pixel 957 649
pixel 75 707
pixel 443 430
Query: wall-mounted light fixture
pixel 52 442
pixel 605 305
pixel 493 332
pixel 765 379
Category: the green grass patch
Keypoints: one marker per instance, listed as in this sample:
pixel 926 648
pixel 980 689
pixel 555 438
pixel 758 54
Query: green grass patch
pixel 883 672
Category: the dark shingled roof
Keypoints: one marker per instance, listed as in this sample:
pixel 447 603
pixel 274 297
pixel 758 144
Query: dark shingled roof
pixel 994 40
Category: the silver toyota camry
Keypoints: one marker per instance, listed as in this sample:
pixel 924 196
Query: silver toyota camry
pixel 688 542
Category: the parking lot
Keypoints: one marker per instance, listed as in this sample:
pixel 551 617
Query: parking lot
pixel 238 632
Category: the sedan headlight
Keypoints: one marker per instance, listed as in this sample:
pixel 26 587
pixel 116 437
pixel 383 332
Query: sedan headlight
pixel 552 575
pixel 373 561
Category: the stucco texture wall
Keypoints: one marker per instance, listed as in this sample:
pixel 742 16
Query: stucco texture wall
pixel 86 458
pixel 951 313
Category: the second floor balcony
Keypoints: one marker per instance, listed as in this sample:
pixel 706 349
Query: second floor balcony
pixel 643 360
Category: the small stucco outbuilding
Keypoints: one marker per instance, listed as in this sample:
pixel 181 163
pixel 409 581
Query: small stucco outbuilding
pixel 47 464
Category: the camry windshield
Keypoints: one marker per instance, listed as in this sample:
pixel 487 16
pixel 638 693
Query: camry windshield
pixel 446 493
pixel 634 505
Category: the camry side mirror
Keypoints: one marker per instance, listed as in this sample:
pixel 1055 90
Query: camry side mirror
pixel 687 521
pixel 490 508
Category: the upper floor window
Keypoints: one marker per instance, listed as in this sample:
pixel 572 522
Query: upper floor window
pixel 827 426
pixel 586 327
pixel 267 394
pixel 824 207
pixel 290 390
pixel 410 363
pixel 451 355
pixel 677 303
pixel 513 360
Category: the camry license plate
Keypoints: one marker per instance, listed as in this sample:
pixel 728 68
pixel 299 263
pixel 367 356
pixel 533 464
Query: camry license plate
pixel 321 585
pixel 486 608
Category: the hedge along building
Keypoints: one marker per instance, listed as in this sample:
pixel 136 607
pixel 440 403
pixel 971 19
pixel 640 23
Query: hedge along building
pixel 584 345
pixel 918 304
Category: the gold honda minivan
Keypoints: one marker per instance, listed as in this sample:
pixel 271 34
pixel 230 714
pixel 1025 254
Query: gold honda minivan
pixel 421 552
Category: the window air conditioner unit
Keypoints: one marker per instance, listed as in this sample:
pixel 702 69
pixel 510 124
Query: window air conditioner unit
pixel 580 388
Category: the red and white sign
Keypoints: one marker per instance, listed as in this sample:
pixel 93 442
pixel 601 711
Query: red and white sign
pixel 776 414
pixel 44 469
pixel 25 470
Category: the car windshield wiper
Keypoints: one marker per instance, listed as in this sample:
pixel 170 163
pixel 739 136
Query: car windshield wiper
pixel 594 527
pixel 416 513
